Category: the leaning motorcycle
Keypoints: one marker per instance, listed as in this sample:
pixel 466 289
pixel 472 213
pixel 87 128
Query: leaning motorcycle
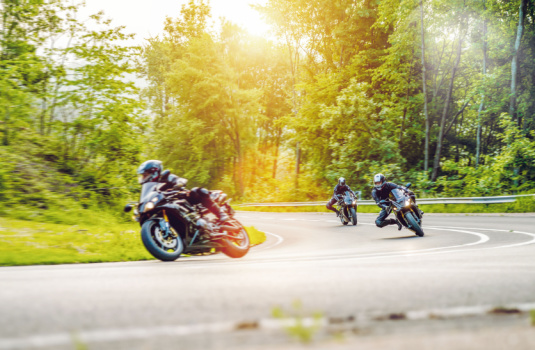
pixel 405 209
pixel 348 208
pixel 171 226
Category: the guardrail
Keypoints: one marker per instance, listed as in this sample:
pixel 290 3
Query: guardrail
pixel 455 200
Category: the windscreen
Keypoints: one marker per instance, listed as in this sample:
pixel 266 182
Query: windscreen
pixel 398 194
pixel 348 198
pixel 146 190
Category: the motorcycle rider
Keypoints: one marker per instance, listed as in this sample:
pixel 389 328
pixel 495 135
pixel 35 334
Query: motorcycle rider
pixel 340 188
pixel 380 193
pixel 151 171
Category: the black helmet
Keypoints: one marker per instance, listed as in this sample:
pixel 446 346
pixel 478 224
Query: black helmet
pixel 149 171
pixel 341 181
pixel 378 181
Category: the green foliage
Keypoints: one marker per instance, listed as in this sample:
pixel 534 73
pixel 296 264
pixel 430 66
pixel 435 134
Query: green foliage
pixel 255 236
pixel 71 123
pixel 26 242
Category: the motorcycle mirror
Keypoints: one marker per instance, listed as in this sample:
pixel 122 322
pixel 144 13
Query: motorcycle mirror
pixel 127 208
pixel 165 175
pixel 408 185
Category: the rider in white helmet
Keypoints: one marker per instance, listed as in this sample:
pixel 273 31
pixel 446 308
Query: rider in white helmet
pixel 380 192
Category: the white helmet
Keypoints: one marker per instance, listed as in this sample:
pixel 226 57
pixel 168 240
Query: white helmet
pixel 378 181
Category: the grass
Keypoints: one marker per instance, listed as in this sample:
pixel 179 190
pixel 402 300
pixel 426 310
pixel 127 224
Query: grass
pixel 522 205
pixel 35 243
pixel 255 236
pixel 294 322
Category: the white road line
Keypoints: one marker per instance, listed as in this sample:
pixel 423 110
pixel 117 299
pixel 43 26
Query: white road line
pixel 122 334
pixel 279 241
pixel 508 231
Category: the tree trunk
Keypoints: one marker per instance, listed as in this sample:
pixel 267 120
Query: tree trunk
pixel 478 133
pixel 277 145
pixel 297 161
pixel 436 163
pixel 6 128
pixel 514 73
pixel 424 83
pixel 514 63
pixel 406 101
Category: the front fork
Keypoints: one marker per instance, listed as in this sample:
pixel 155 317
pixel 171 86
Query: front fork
pixel 166 227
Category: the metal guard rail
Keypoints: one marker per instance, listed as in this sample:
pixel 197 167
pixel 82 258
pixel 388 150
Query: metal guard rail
pixel 455 200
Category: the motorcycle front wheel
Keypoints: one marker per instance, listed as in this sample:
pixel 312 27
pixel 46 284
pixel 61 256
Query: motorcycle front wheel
pixel 238 245
pixel 161 245
pixel 413 224
pixel 353 216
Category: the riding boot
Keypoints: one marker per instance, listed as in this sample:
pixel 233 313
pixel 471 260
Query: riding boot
pixel 217 211
pixel 396 222
pixel 337 212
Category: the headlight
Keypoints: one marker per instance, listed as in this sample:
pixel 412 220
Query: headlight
pixel 148 206
pixel 407 203
pixel 354 202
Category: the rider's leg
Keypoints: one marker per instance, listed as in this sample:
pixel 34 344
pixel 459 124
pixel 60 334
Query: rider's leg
pixel 382 221
pixel 202 195
pixel 330 206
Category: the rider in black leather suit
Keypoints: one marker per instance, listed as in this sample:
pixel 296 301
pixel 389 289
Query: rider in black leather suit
pixel 339 190
pixel 151 170
pixel 380 192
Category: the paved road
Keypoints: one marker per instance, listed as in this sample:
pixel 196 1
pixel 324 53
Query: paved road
pixel 359 279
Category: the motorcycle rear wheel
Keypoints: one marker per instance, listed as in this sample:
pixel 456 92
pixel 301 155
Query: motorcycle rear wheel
pixel 343 215
pixel 413 224
pixel 238 246
pixel 353 216
pixel 161 248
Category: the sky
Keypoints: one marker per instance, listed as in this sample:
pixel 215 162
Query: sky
pixel 145 18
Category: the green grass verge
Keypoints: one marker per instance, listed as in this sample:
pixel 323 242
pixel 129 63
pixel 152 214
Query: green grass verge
pixel 255 236
pixel 35 243
pixel 523 205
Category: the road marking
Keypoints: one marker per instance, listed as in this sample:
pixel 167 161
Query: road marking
pixel 279 241
pixel 123 334
pixel 495 230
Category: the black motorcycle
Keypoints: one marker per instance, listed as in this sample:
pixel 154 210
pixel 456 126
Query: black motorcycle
pixel 348 208
pixel 170 225
pixel 405 209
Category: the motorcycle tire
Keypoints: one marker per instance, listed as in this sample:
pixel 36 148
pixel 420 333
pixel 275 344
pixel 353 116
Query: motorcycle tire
pixel 233 250
pixel 413 225
pixel 154 244
pixel 353 216
pixel 342 216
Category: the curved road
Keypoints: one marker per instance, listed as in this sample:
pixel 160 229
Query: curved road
pixel 373 287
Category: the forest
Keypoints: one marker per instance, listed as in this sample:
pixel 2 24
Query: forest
pixel 439 93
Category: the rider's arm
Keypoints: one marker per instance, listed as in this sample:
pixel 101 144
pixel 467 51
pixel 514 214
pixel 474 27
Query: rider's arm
pixel 335 192
pixel 375 197
pixel 176 182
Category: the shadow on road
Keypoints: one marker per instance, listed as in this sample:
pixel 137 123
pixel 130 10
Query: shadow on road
pixel 404 237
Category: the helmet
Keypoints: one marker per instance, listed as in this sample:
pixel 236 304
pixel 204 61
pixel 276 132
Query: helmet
pixel 378 181
pixel 149 171
pixel 341 181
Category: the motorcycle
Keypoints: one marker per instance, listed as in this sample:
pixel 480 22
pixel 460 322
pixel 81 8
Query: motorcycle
pixel 348 208
pixel 405 209
pixel 171 226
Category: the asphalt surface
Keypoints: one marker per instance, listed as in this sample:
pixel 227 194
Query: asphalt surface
pixel 350 286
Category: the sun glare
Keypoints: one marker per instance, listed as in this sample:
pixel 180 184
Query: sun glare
pixel 147 20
